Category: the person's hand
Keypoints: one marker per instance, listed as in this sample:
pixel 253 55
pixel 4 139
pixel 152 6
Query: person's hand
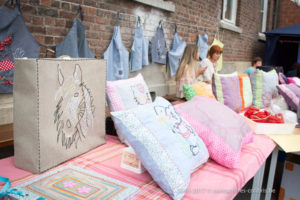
pixel 202 70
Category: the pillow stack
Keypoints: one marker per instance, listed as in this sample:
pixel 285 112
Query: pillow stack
pixel 291 95
pixel 167 145
pixel 126 94
pixel 198 89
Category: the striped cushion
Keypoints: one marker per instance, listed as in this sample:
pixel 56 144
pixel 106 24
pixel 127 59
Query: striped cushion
pixel 245 90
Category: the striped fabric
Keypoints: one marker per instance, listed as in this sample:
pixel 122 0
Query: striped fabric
pixel 211 181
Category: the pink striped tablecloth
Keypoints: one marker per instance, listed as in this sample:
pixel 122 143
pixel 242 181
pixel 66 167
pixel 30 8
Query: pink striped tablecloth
pixel 211 181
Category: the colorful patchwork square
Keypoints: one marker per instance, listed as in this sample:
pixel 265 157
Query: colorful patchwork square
pixel 71 182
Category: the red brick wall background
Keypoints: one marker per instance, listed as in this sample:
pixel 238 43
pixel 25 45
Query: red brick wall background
pixel 289 13
pixel 50 20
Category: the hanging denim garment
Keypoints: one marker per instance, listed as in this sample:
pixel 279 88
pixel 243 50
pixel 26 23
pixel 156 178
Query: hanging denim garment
pixel 158 46
pixel 202 45
pixel 117 58
pixel 175 54
pixel 75 44
pixel 139 54
pixel 15 42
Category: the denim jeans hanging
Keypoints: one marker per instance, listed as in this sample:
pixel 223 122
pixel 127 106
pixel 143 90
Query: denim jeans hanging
pixel 75 44
pixel 158 47
pixel 202 45
pixel 15 42
pixel 117 58
pixel 139 54
pixel 175 54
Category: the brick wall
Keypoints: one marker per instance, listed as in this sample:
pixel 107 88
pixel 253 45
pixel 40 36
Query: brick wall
pixel 50 20
pixel 289 13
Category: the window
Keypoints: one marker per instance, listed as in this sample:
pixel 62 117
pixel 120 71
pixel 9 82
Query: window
pixel 229 11
pixel 263 14
pixel 229 16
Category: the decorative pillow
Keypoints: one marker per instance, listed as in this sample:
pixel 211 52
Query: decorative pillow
pixel 282 78
pixel 126 94
pixel 223 134
pixel 226 88
pixel 245 90
pixel 263 87
pixel 200 89
pixel 291 94
pixel 166 144
pixel 294 80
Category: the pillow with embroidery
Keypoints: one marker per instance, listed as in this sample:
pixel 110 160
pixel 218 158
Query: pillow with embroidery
pixel 291 95
pixel 166 144
pixel 226 89
pixel 223 134
pixel 126 94
pixel 263 87
pixel 198 89
pixel 245 91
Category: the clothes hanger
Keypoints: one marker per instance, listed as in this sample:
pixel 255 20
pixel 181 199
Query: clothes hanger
pixel 117 19
pixel 80 12
pixel 18 5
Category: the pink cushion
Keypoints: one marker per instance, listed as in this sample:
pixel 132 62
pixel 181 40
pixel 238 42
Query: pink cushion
pixel 294 80
pixel 222 130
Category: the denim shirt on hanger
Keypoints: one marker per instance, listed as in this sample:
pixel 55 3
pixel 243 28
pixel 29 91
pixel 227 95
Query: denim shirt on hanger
pixel 202 45
pixel 139 54
pixel 158 47
pixel 15 42
pixel 175 54
pixel 75 44
pixel 117 58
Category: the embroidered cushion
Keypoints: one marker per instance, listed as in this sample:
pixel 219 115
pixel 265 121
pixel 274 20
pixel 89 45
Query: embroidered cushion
pixel 223 134
pixel 245 90
pixel 226 88
pixel 200 89
pixel 291 94
pixel 263 87
pixel 127 94
pixel 167 145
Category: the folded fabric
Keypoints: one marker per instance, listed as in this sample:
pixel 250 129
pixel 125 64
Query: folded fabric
pixel 167 145
pixel 291 95
pixel 263 87
pixel 127 94
pixel 263 116
pixel 226 88
pixel 223 134
pixel 245 90
pixel 200 89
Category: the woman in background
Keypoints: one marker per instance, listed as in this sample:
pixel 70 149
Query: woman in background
pixel 210 63
pixel 188 71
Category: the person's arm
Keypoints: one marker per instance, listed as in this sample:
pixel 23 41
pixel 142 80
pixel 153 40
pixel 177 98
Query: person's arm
pixel 201 71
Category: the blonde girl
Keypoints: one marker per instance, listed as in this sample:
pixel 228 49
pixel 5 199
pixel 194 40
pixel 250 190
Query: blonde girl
pixel 188 71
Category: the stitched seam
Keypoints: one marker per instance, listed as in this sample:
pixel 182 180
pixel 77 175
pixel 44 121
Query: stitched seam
pixel 38 115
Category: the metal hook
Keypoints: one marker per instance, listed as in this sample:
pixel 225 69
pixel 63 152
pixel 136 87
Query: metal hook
pixel 118 18
pixel 80 12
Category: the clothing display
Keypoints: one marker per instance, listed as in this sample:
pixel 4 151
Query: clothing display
pixel 117 58
pixel 158 47
pixel 15 42
pixel 175 54
pixel 75 44
pixel 139 54
pixel 202 45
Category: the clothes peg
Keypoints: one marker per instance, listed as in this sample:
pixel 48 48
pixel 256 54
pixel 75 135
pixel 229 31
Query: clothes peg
pixel 175 28
pixel 138 21
pixel 205 30
pixel 160 23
